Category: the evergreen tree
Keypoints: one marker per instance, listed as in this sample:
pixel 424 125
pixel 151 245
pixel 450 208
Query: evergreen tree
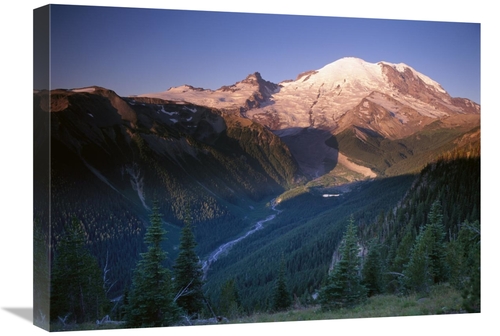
pixel 372 272
pixel 282 299
pixel 455 260
pixel 427 264
pixel 403 251
pixel 77 281
pixel 229 301
pixel 391 285
pixel 151 300
pixel 343 287
pixel 188 272
pixel 437 253
pixel 401 258
pixel 417 273
pixel 469 274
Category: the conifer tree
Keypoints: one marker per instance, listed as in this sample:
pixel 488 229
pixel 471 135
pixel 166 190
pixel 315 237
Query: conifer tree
pixel 151 299
pixel 417 273
pixel 467 275
pixel 229 301
pixel 343 287
pixel 188 272
pixel 437 253
pixel 391 285
pixel 403 251
pixel 282 299
pixel 427 264
pixel 373 278
pixel 77 281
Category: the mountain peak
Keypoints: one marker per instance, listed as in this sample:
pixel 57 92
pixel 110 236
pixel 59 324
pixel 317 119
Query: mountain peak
pixel 253 76
pixel 350 67
pixel 333 97
pixel 257 80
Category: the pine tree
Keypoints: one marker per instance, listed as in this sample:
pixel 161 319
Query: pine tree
pixel 403 251
pixel 469 274
pixel 77 281
pixel 372 272
pixel 151 299
pixel 343 287
pixel 437 253
pixel 417 273
pixel 229 301
pixel 282 299
pixel 188 272
pixel 427 264
pixel 391 285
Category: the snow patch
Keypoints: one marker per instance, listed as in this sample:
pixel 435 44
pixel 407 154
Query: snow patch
pixel 190 109
pixel 89 89
pixel 166 112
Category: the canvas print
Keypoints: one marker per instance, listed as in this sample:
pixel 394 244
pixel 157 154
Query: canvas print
pixel 207 168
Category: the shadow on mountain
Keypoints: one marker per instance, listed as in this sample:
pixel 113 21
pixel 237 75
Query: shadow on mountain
pixel 316 150
pixel 369 132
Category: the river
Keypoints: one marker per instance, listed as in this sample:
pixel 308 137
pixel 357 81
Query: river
pixel 214 256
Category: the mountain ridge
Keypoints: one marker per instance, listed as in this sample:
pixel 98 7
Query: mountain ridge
pixel 111 156
pixel 337 87
pixel 393 101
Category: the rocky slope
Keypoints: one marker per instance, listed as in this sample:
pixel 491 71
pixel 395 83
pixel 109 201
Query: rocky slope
pixel 111 157
pixel 368 101
pixel 392 99
pixel 224 153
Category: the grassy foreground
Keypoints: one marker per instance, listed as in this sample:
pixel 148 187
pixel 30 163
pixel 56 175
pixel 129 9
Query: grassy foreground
pixel 443 299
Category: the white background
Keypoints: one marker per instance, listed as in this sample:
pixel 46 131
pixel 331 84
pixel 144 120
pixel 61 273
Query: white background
pixel 17 166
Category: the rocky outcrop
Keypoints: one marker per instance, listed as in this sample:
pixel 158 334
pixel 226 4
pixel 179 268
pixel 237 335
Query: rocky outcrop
pixel 385 100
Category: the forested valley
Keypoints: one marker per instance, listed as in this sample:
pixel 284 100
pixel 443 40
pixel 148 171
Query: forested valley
pixel 421 231
pixel 140 203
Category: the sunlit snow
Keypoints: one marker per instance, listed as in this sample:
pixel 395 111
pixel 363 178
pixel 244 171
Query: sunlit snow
pixel 318 98
pixel 89 89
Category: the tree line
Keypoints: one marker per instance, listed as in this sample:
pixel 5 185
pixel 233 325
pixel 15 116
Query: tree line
pixel 431 237
pixel 419 263
pixel 157 297
pixel 422 242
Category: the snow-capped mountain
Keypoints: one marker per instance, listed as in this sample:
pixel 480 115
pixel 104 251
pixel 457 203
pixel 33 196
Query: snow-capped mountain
pixel 340 114
pixel 393 100
pixel 246 94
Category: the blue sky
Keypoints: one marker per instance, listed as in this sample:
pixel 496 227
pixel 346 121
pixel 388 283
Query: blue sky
pixel 136 51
